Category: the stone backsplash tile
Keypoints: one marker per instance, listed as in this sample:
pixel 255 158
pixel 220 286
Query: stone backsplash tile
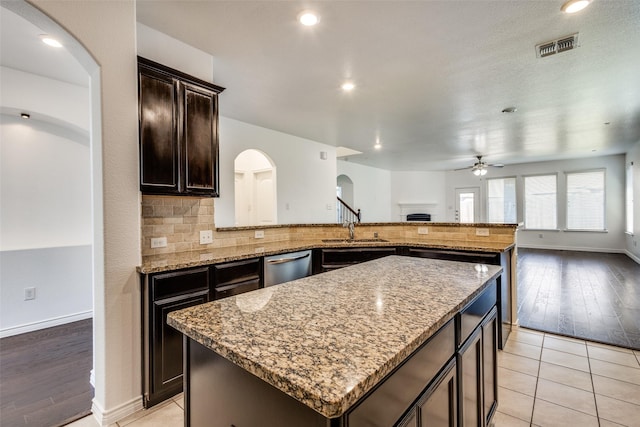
pixel 180 220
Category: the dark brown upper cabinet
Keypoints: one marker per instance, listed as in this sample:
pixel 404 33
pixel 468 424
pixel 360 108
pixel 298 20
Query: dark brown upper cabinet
pixel 178 125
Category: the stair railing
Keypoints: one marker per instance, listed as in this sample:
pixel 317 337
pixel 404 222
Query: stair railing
pixel 346 213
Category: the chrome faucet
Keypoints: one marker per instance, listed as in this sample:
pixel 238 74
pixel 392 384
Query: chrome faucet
pixel 352 229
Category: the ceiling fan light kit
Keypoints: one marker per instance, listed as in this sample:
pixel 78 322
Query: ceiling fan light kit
pixel 480 168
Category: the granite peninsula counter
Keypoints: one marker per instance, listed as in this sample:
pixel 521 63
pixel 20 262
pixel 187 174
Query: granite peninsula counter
pixel 317 349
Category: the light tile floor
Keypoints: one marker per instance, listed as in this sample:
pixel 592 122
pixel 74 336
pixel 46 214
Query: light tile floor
pixel 544 380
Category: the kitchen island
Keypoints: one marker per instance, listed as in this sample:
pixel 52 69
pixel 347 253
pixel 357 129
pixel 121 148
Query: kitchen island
pixel 368 345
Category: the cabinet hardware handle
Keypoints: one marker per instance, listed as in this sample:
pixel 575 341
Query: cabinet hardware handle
pixel 283 260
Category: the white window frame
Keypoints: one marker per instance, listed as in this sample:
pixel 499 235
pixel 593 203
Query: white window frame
pixel 604 199
pixel 515 178
pixel 524 200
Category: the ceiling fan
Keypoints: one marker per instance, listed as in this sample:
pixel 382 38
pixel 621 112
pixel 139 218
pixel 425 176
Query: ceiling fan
pixel 479 168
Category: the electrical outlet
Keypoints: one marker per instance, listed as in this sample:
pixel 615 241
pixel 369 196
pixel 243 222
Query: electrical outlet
pixel 540 236
pixel 158 242
pixel 375 234
pixel 329 207
pixel 482 231
pixel 423 230
pixel 259 234
pixel 206 237
pixel 29 294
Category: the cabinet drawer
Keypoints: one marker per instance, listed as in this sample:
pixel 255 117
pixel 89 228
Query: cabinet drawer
pixel 476 310
pixel 463 256
pixel 167 285
pixel 386 404
pixel 236 288
pixel 238 272
pixel 336 258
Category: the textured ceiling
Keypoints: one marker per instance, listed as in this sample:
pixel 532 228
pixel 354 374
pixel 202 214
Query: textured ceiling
pixel 432 76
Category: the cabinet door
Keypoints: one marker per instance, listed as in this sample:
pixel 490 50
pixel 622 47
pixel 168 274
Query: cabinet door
pixel 470 372
pixel 166 358
pixel 439 407
pixel 410 420
pixel 490 365
pixel 159 171
pixel 200 140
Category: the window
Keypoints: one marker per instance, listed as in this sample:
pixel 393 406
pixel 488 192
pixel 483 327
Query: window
pixel 629 199
pixel 540 202
pixel 501 200
pixel 585 200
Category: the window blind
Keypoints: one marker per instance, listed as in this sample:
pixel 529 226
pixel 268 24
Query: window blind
pixel 585 200
pixel 501 200
pixel 540 211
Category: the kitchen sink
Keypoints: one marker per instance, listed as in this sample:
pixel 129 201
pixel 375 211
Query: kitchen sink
pixel 353 240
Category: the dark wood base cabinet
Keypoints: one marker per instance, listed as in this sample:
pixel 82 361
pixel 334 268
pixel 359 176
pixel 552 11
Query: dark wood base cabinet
pixel 162 344
pixel 175 290
pixel 450 378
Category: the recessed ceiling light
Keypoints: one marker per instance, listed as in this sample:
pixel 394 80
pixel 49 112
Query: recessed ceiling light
pixel 573 6
pixel 50 41
pixel 308 18
pixel 348 86
pixel 25 115
pixel 510 110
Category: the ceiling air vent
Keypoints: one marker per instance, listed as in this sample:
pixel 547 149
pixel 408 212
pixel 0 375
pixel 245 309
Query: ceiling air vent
pixel 556 46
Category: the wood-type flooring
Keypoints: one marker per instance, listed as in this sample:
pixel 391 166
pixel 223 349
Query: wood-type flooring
pixel 593 296
pixel 44 376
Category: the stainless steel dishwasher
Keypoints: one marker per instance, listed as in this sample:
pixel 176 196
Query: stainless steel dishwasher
pixel 286 267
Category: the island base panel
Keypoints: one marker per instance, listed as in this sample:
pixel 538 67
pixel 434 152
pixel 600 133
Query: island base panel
pixel 221 394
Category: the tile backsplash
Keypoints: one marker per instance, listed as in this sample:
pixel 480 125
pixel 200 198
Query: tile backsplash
pixel 180 220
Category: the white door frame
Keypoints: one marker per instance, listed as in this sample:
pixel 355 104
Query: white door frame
pixel 476 202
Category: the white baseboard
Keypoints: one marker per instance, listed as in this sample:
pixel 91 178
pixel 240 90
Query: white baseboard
pixel 47 323
pixel 573 248
pixel 632 256
pixel 107 418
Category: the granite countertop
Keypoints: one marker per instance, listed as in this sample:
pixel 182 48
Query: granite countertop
pixel 174 261
pixel 326 340
pixel 414 223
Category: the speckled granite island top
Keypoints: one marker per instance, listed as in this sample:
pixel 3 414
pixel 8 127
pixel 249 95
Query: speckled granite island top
pixel 326 340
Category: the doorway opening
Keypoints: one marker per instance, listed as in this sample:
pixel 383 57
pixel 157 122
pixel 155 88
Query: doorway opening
pixel 467 205
pixel 255 189
pixel 52 227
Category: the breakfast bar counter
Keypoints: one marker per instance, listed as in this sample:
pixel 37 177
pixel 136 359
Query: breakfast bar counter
pixel 333 349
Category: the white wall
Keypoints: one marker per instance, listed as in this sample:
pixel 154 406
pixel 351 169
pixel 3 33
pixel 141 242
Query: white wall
pixel 418 192
pixel 52 100
pixel 371 190
pixel 306 184
pixel 611 241
pixel 62 278
pixel 45 183
pixel 633 241
pixel 45 214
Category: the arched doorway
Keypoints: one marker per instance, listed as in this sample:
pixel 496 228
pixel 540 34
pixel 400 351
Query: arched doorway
pixel 255 189
pixel 51 136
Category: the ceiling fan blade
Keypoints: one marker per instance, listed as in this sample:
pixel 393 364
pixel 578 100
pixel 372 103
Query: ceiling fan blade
pixel 496 165
pixel 461 169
